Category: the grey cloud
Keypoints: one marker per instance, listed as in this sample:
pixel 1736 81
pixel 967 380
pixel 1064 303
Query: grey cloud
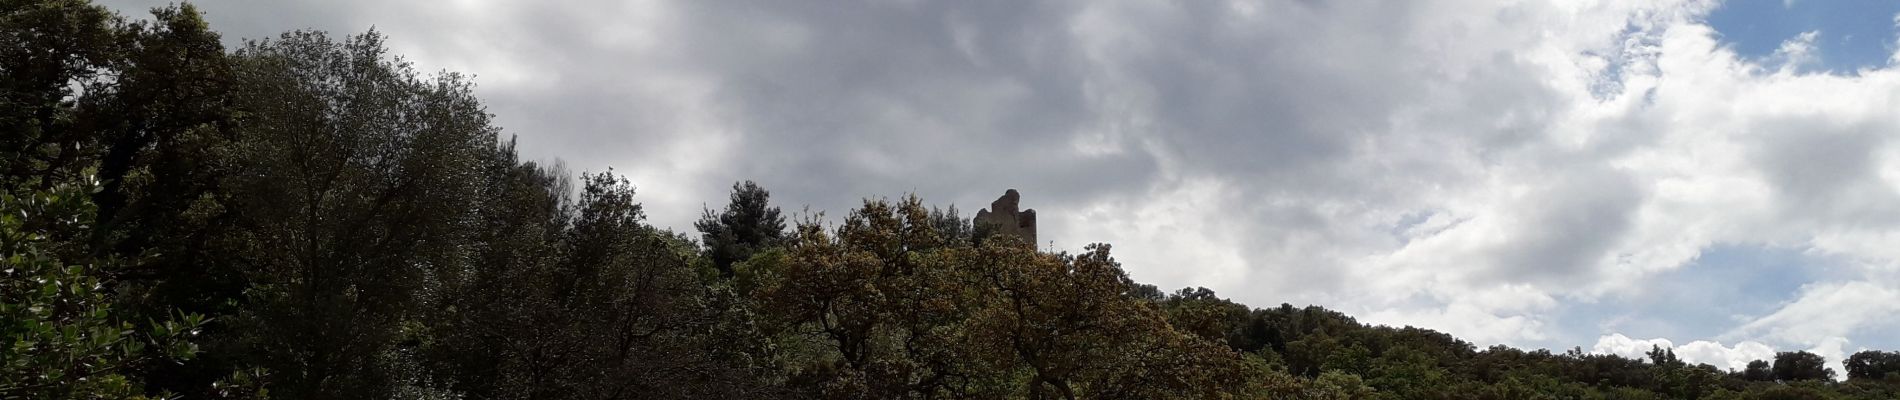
pixel 1321 117
pixel 966 97
pixel 1573 222
pixel 1826 172
pixel 1328 127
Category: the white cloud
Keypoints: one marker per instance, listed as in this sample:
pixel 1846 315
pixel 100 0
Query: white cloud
pixel 1826 313
pixel 1191 233
pixel 1733 358
pixel 1617 344
pixel 1797 53
pixel 1895 58
pixel 1470 322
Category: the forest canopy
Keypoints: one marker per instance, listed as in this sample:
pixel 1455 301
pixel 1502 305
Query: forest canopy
pixel 309 217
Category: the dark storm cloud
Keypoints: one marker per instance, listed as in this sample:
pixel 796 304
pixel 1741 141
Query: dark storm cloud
pixel 957 99
pixel 1312 120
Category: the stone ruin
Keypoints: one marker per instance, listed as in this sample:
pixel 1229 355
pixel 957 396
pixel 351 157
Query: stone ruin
pixel 1004 219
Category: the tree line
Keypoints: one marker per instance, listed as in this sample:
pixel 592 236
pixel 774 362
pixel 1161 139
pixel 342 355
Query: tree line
pixel 308 217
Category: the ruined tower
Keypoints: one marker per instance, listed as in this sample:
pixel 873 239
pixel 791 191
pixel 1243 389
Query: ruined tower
pixel 1003 217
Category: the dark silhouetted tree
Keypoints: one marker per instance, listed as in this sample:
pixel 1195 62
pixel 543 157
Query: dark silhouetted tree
pixel 747 225
pixel 1758 371
pixel 1801 366
pixel 51 53
pixel 1873 364
pixel 355 201
pixel 951 226
pixel 1663 357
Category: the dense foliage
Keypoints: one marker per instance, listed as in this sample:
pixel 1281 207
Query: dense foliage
pixel 307 217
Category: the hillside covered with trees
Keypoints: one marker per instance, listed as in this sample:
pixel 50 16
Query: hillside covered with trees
pixel 308 217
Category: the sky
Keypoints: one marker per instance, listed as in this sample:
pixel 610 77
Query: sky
pixel 1718 177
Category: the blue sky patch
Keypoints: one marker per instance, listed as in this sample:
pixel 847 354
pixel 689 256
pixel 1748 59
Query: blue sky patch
pixel 1700 300
pixel 1854 34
